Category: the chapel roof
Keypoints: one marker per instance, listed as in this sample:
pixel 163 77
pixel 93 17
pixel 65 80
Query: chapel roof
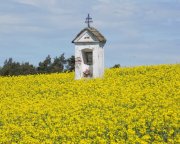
pixel 94 32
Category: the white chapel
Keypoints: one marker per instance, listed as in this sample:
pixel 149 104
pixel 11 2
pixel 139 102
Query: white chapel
pixel 89 52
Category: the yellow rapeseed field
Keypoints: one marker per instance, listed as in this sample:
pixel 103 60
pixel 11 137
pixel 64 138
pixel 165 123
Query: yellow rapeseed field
pixel 129 105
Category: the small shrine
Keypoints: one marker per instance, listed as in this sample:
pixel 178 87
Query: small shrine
pixel 89 52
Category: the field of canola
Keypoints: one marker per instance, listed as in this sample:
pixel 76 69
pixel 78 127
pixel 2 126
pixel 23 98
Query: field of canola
pixel 130 105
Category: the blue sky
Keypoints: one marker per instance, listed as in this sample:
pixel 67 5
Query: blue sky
pixel 138 32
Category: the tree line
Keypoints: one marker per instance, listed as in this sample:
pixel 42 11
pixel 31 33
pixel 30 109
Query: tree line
pixel 49 65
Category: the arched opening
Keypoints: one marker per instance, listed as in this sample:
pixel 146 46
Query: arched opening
pixel 87 55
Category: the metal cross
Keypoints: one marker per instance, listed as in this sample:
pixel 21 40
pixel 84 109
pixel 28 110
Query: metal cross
pixel 88 20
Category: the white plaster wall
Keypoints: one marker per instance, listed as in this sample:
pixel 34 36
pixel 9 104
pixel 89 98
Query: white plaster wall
pixel 78 65
pixel 83 37
pixel 96 62
pixel 101 61
pixel 98 59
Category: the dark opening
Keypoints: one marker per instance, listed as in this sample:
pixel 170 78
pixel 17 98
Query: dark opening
pixel 89 58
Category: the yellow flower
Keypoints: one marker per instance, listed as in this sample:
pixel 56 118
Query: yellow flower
pixel 129 105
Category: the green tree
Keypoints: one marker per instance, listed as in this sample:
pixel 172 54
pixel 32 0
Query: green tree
pixel 27 68
pixel 10 67
pixel 15 68
pixel 45 66
pixel 70 64
pixel 58 64
pixel 116 66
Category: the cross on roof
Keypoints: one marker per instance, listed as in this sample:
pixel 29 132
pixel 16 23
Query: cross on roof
pixel 88 20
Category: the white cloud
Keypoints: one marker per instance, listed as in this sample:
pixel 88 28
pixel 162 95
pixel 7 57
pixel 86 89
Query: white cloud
pixel 136 11
pixel 14 23
pixel 9 22
pixel 9 19
pixel 38 3
pixel 51 6
pixel 28 2
pixel 116 8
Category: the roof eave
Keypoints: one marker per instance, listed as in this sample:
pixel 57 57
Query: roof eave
pixel 89 30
